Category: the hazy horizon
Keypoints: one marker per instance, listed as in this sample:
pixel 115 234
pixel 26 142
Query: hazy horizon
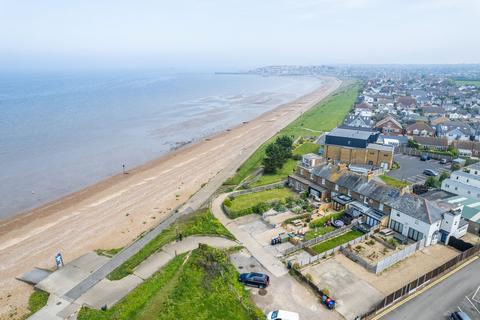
pixel 214 35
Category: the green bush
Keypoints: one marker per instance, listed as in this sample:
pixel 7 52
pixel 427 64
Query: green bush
pixel 227 203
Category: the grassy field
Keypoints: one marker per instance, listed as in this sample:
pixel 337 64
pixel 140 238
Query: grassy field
pixel 201 286
pixel 198 223
pixel 249 200
pixel 395 183
pixel 334 242
pixel 38 299
pixel 288 167
pixel 323 117
pixel 468 83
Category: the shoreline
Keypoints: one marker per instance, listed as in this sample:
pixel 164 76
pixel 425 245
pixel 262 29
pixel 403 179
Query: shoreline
pixel 114 211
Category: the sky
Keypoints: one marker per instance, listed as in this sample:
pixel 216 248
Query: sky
pixel 236 34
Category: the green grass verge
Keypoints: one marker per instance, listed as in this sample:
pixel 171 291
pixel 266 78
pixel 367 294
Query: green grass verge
pixel 322 117
pixel 198 223
pixel 395 183
pixel 335 242
pixel 38 299
pixel 249 200
pixel 201 286
pixel 278 176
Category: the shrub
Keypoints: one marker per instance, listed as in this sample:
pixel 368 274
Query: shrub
pixel 227 203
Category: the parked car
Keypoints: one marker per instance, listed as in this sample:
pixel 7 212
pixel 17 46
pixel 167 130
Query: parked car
pixel 254 279
pixel 459 315
pixel 443 161
pixel 430 173
pixel 282 315
pixel 424 157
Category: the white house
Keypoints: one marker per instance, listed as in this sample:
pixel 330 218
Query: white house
pixel 463 184
pixel 417 218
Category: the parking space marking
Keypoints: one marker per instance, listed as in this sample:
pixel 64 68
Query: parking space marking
pixel 472 304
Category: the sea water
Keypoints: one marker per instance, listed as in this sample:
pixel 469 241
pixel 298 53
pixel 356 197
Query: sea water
pixel 60 132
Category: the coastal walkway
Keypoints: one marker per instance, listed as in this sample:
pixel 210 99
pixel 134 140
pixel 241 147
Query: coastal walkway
pixel 263 256
pixel 106 292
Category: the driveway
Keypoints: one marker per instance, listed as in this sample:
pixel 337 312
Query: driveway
pixel 460 291
pixel 284 292
pixel 411 168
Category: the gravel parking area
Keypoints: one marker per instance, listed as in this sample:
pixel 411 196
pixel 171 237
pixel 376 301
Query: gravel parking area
pixel 284 292
pixel 411 168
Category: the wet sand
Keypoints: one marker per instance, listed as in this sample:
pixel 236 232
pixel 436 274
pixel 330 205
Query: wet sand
pixel 114 212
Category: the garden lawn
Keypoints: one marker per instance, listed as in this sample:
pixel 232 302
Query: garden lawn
pixel 198 223
pixel 249 200
pixel 201 286
pixel 322 117
pixel 335 242
pixel 395 183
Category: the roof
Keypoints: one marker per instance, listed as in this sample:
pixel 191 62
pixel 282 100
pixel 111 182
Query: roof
pixel 388 118
pixel 430 109
pixel 420 126
pixel 471 207
pixel 356 133
pixel 406 100
pixel 474 166
pixel 432 141
pixel 380 147
pixel 419 208
pixel 408 204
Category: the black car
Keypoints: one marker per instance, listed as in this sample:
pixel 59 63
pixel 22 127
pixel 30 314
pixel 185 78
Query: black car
pixel 254 279
pixel 459 316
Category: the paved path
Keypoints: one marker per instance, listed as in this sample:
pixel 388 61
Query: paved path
pixel 107 292
pixel 447 296
pixel 265 257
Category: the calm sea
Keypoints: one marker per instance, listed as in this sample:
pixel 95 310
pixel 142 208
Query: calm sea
pixel 62 132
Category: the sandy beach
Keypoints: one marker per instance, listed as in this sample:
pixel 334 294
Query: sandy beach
pixel 115 211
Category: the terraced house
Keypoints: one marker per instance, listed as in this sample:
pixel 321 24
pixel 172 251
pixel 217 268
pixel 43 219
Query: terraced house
pixel 412 216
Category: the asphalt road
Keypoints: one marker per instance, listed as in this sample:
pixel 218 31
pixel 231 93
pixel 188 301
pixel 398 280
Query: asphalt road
pixel 455 293
pixel 411 168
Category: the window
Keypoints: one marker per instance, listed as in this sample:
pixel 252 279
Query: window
pixel 414 234
pixel 396 226
pixel 336 187
pixel 323 181
pixel 468 192
pixel 380 207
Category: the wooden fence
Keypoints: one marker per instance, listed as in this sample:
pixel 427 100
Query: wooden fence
pixel 421 281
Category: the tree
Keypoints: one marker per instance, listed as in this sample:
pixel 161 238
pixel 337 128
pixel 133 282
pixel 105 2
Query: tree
pixel 413 144
pixel 443 176
pixel 286 143
pixel 274 158
pixel 277 153
pixel 432 182
pixel 453 150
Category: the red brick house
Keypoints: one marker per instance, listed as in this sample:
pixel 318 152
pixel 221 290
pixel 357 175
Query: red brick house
pixel 389 126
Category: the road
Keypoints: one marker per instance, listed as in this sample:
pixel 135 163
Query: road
pixel 411 168
pixel 452 294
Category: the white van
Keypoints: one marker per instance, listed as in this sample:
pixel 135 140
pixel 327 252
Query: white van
pixel 282 315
